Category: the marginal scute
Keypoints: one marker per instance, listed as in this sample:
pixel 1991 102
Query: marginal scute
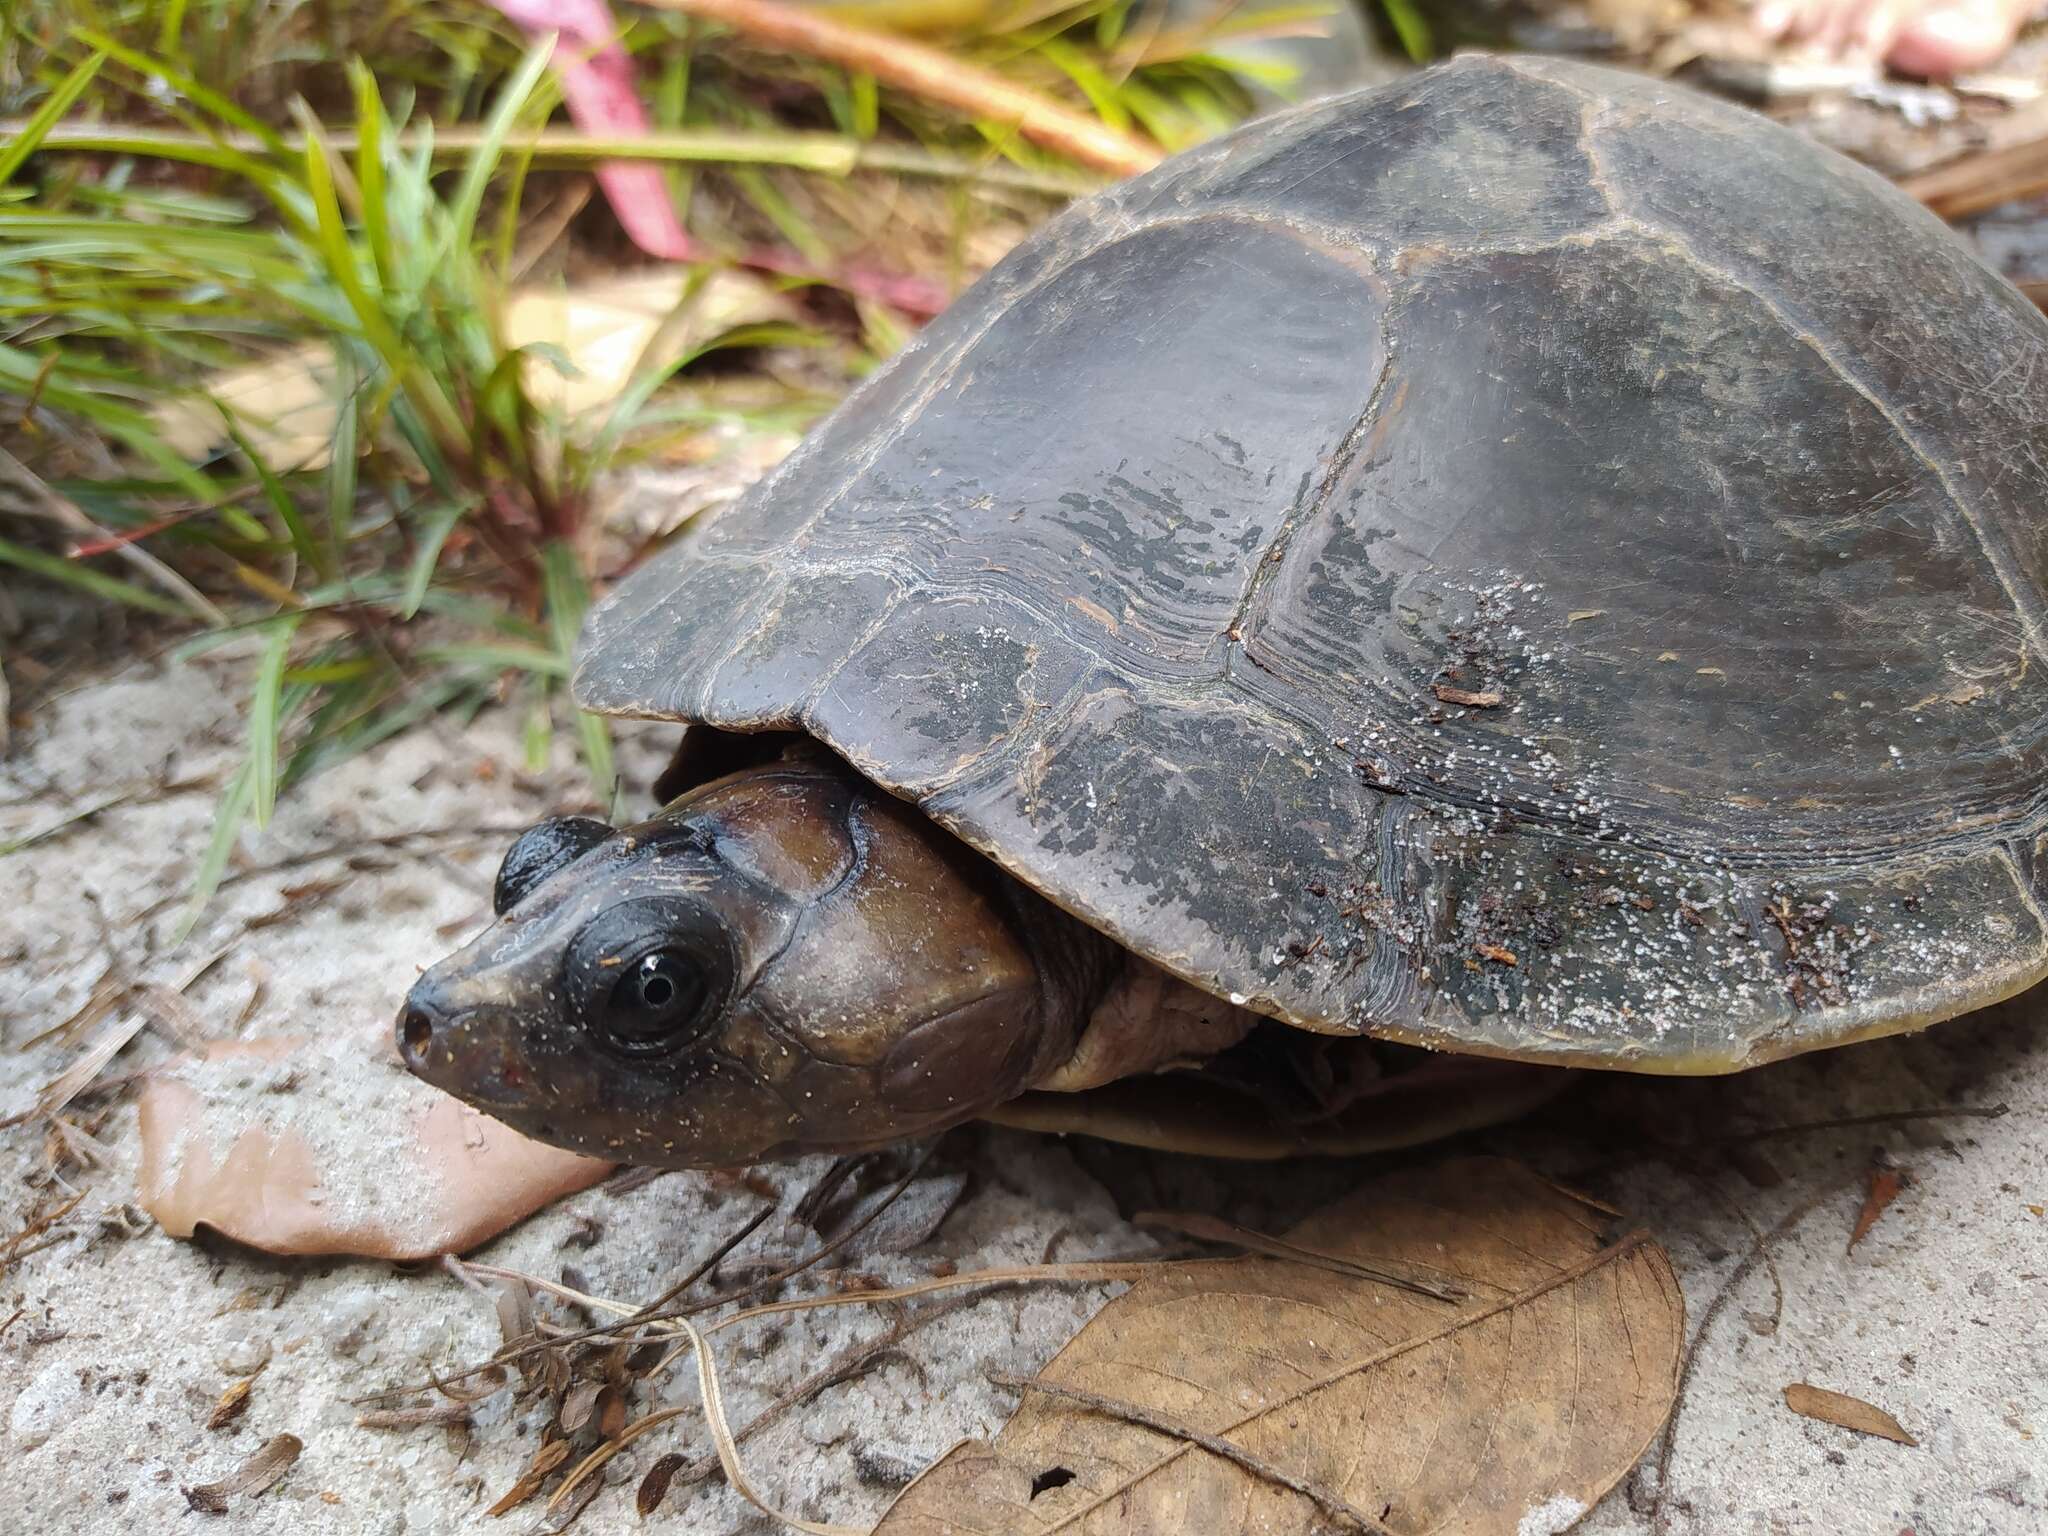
pixel 794 644
pixel 635 671
pixel 1244 838
pixel 1437 563
pixel 941 684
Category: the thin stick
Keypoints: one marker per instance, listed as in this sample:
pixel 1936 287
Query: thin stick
pixel 828 154
pixel 843 1367
pixel 1742 1272
pixel 1211 1229
pixel 1976 182
pixel 728 1451
pixel 63 510
pixel 396 842
pixel 1047 1274
pixel 718 1256
pixel 932 76
pixel 1849 1122
pixel 1216 1445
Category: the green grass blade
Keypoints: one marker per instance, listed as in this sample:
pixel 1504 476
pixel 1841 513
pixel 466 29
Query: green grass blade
pixel 438 522
pixel 340 264
pixel 341 472
pixel 370 125
pixel 483 164
pixel 47 116
pixel 266 717
pixel 1411 27
pixel 538 660
pixel 86 579
pixel 182 84
pixel 227 826
pixel 567 597
pixel 279 495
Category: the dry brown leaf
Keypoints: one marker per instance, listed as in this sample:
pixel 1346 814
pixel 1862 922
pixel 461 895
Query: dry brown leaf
pixel 1331 1398
pixel 408 1173
pixel 1845 1412
pixel 231 1404
pixel 264 1466
pixel 654 1486
pixel 545 1460
pixel 577 1406
pixel 1885 1184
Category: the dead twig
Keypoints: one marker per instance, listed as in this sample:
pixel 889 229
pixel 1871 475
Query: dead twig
pixel 1977 182
pixel 712 1395
pixel 400 842
pixel 1851 1122
pixel 1215 1445
pixel 930 75
pixel 1668 1442
pixel 63 510
pixel 828 154
pixel 72 1081
pixel 1211 1229
pixel 848 1364
pixel 21 1245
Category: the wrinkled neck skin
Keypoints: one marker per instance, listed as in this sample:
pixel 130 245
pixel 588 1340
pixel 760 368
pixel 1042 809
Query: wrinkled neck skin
pixel 883 981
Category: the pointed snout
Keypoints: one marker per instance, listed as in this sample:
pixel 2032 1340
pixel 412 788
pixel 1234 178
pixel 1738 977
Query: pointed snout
pixel 467 1050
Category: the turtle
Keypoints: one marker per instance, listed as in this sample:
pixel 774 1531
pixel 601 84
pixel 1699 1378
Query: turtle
pixel 1527 566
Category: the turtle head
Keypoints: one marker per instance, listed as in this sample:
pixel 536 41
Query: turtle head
pixel 783 961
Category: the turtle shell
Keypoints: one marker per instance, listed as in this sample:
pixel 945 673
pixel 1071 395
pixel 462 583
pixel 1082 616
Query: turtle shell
pixel 1527 560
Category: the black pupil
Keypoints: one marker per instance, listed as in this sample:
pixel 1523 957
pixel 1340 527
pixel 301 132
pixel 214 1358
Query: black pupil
pixel 655 1000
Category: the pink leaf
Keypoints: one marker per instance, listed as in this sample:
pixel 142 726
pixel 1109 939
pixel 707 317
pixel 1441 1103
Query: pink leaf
pixel 597 81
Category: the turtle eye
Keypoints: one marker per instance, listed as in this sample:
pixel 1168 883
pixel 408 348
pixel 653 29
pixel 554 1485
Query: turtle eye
pixel 650 975
pixel 541 850
pixel 656 1004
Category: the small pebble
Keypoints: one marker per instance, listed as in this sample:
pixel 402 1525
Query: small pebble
pixel 54 1395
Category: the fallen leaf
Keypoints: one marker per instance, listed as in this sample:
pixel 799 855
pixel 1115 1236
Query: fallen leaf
pixel 359 1158
pixel 231 1405
pixel 545 1460
pixel 577 1406
pixel 1885 1184
pixel 1846 1412
pixel 264 1466
pixel 1280 1396
pixel 654 1486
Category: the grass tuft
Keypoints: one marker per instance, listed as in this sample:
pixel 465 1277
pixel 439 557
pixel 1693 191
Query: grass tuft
pixel 349 196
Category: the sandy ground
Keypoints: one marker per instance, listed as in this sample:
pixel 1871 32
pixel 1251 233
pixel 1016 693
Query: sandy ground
pixel 124 1338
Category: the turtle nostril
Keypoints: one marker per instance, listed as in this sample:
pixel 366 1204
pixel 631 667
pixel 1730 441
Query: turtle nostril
pixel 415 1034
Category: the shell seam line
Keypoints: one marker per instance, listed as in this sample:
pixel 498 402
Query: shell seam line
pixel 1319 499
pixel 2026 892
pixel 2028 611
